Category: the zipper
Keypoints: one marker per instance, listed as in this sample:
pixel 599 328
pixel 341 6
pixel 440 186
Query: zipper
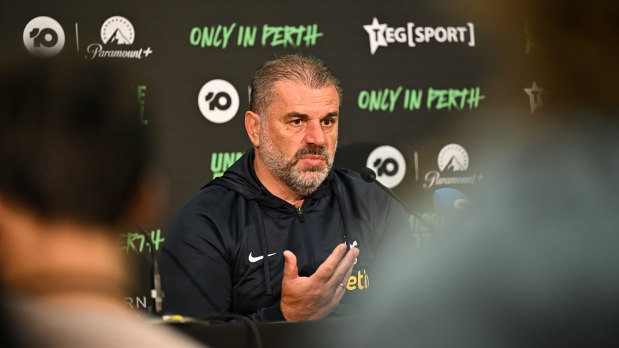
pixel 310 252
pixel 301 216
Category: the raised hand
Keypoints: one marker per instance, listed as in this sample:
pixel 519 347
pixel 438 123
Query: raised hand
pixel 314 297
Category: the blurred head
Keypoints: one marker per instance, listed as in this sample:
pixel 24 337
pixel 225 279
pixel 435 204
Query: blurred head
pixel 71 145
pixel 568 47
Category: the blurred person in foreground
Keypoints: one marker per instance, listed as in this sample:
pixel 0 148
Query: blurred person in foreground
pixel 535 260
pixel 76 173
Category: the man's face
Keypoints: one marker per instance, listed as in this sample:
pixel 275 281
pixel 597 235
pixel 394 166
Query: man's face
pixel 299 136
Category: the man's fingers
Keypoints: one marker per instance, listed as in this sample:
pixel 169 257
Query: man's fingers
pixel 340 289
pixel 344 269
pixel 290 265
pixel 326 270
pixel 348 274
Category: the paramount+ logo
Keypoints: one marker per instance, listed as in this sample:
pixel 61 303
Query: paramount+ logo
pixel 117 38
pixel 382 35
pixel 453 165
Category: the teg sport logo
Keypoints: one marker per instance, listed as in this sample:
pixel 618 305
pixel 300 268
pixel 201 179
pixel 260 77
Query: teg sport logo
pixel 116 31
pixel 451 160
pixel 537 97
pixel 218 101
pixel 381 35
pixel 44 37
pixel 389 165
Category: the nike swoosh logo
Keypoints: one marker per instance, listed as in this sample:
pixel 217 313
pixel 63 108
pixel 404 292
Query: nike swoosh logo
pixel 253 259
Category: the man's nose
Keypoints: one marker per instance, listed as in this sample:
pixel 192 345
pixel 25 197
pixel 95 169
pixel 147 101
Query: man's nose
pixel 315 134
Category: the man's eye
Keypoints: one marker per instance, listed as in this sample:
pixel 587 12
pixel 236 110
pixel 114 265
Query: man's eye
pixel 296 122
pixel 327 122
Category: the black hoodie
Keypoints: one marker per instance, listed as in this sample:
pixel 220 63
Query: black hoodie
pixel 213 257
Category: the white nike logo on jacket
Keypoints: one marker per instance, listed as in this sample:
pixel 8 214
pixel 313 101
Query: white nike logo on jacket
pixel 253 259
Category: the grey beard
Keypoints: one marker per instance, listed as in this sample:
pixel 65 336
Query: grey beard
pixel 286 170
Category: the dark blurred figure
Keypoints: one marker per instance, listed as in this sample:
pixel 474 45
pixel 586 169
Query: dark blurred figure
pixel 75 173
pixel 535 262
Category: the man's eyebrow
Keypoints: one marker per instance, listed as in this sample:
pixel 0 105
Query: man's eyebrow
pixel 295 114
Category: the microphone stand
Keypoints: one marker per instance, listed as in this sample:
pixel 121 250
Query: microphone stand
pixel 156 293
pixel 368 175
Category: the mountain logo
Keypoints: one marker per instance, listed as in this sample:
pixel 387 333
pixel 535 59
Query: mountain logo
pixel 117 30
pixel 453 158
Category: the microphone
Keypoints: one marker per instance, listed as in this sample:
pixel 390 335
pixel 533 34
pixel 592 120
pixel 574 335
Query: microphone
pixel 368 175
pixel 449 202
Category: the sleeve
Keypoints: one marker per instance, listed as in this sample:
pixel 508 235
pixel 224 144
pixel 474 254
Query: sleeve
pixel 195 271
pixel 195 276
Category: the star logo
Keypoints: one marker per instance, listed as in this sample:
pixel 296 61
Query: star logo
pixel 376 31
pixel 536 97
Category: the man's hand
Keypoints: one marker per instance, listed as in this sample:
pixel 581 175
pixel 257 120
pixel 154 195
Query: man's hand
pixel 307 298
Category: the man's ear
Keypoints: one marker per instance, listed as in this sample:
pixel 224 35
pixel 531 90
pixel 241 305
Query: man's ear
pixel 252 125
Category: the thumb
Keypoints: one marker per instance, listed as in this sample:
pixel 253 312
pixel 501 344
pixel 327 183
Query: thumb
pixel 290 265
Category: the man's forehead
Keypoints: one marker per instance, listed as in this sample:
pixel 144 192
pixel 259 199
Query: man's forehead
pixel 289 89
pixel 291 82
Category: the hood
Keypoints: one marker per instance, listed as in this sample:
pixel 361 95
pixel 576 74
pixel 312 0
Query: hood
pixel 241 178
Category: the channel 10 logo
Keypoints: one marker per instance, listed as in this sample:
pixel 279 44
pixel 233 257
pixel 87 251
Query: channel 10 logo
pixel 44 37
pixel 389 165
pixel 218 101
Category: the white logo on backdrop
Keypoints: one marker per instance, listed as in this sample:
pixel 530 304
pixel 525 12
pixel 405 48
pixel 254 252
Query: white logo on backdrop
pixel 389 165
pixel 44 37
pixel 218 101
pixel 381 35
pixel 536 97
pixel 451 159
pixel 117 30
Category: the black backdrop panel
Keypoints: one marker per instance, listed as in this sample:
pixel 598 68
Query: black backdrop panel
pixel 415 78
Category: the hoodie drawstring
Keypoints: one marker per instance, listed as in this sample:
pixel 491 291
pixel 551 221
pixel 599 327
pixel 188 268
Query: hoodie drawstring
pixel 265 248
pixel 343 209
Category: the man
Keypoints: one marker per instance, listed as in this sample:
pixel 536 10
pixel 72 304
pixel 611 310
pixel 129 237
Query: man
pixel 269 239
pixel 74 176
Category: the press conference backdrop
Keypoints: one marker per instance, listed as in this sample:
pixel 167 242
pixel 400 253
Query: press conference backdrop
pixel 416 79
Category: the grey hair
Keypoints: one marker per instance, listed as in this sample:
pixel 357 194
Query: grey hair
pixel 307 70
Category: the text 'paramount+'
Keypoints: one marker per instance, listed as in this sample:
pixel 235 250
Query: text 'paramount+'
pixel 381 35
